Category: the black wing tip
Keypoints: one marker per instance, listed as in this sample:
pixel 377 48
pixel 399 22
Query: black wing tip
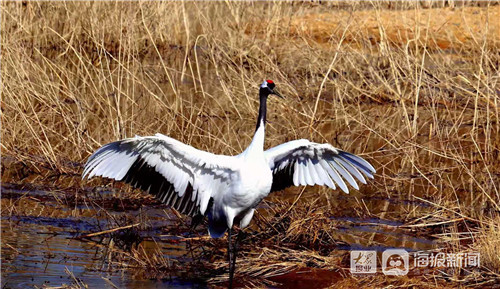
pixel 123 146
pixel 365 165
pixel 115 146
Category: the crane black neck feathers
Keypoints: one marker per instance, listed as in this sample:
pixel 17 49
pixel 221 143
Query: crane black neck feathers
pixel 264 92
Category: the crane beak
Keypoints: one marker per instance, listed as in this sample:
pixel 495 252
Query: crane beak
pixel 275 92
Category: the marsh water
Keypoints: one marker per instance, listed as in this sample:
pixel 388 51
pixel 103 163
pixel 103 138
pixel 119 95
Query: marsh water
pixel 40 244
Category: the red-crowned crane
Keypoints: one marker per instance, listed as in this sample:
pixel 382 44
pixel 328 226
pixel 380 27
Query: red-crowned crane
pixel 226 189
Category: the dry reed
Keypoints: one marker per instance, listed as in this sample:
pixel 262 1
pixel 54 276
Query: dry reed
pixel 420 100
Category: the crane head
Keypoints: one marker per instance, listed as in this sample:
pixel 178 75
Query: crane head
pixel 268 87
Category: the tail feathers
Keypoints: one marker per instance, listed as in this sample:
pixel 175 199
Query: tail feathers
pixel 217 226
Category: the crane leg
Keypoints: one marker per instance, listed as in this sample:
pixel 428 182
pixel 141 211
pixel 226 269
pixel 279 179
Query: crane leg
pixel 230 257
pixel 233 253
pixel 235 247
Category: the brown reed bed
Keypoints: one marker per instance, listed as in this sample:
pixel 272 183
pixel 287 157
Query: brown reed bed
pixel 414 90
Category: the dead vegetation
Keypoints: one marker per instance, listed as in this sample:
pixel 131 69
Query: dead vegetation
pixel 415 91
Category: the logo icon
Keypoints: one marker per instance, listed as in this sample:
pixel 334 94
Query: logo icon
pixel 395 262
pixel 363 262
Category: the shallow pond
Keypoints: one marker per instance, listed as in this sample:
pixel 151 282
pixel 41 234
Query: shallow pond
pixel 40 245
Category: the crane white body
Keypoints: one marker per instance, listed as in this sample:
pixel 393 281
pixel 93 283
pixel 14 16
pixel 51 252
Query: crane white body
pixel 224 188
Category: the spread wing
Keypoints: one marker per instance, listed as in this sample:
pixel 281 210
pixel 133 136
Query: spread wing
pixel 301 162
pixel 177 174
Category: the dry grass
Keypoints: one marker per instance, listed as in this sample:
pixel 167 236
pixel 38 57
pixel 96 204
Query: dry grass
pixel 488 244
pixel 415 91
